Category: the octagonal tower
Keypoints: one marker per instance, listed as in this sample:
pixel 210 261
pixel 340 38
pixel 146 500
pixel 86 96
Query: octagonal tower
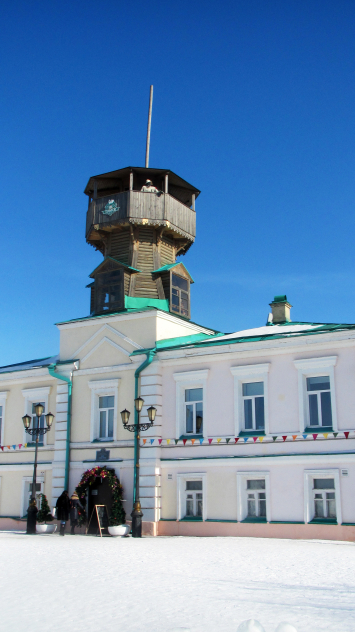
pixel 140 234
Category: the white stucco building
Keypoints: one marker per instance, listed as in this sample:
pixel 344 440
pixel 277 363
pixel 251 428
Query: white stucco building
pixel 254 433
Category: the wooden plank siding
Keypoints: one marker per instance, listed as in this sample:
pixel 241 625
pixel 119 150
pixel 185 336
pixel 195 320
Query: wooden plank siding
pixel 135 206
pixel 119 246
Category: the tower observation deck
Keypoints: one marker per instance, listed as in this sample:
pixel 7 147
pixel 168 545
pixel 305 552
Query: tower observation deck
pixel 140 233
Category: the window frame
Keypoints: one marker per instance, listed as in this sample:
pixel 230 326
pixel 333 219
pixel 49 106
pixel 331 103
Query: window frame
pixel 3 398
pixel 171 295
pixel 186 380
pixel 106 409
pixel 242 494
pixel 181 479
pixel 102 388
pixel 247 374
pixel 309 510
pixel 99 286
pixel 193 403
pixel 33 396
pixel 315 367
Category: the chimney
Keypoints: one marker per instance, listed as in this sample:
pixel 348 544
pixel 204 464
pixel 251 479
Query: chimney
pixel 280 309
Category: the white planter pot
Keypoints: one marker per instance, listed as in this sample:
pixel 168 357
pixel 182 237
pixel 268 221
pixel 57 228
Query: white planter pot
pixel 46 528
pixel 120 530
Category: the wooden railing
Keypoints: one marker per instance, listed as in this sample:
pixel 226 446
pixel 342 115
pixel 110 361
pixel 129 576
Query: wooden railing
pixel 155 207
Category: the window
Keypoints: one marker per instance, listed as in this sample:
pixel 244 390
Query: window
pixel 3 397
pixel 320 408
pixel 194 410
pixel 35 396
pixel 106 411
pixel 324 498
pixel 253 396
pixel 194 501
pixel 251 415
pixel 253 496
pixel 316 391
pixel 109 291
pixel 191 409
pixel 27 492
pixel 180 291
pixel 104 398
pixel 191 496
pixel 256 498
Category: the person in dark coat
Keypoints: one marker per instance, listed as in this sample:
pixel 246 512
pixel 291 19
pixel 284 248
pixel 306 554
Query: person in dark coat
pixel 63 508
pixel 74 512
pixel 32 517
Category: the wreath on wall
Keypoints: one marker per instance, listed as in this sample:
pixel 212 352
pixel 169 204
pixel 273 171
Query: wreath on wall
pixel 118 514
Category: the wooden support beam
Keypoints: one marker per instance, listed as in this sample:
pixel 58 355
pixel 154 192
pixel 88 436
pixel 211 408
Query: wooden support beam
pixel 131 181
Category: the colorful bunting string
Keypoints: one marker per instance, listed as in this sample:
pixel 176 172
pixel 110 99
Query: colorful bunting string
pixel 225 441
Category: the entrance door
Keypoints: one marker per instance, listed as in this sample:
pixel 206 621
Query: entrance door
pixel 100 493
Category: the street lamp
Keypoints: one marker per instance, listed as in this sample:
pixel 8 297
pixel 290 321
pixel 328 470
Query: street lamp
pixel 36 431
pixel 137 513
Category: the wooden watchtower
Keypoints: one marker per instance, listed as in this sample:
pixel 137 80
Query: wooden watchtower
pixel 140 234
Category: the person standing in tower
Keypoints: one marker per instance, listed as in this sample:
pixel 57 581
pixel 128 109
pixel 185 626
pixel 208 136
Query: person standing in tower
pixel 149 188
pixel 63 508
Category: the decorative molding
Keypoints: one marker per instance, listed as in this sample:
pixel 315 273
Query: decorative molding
pixel 187 376
pixel 101 342
pixel 313 364
pixel 250 369
pixel 112 330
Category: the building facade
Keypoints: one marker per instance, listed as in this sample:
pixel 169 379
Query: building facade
pixel 254 432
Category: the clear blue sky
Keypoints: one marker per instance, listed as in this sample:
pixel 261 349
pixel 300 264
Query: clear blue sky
pixel 254 104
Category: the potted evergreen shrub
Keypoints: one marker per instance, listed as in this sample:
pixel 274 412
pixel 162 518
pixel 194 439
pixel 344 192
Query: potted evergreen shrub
pixel 117 526
pixel 43 516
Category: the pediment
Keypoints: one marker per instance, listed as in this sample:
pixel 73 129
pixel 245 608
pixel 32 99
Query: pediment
pixel 105 352
pixel 109 264
pixel 119 341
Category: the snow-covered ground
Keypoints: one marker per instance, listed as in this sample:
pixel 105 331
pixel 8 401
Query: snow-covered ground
pixel 89 584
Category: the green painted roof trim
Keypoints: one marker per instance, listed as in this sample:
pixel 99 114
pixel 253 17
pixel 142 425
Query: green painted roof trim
pixel 182 340
pixel 168 267
pixel 124 265
pixel 133 302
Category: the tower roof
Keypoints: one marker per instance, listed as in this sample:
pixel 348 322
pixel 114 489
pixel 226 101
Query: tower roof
pixel 106 182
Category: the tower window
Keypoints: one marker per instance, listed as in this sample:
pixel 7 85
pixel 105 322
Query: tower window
pixel 109 291
pixel 180 295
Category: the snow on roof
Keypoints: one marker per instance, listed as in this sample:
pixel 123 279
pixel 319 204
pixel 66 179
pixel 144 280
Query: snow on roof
pixel 30 364
pixel 272 330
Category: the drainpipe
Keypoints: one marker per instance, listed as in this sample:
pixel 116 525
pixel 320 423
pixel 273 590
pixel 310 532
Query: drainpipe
pixel 149 359
pixel 51 370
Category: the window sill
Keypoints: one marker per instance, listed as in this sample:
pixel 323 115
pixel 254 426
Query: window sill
pixel 191 436
pixel 102 441
pixel 254 520
pixel 32 444
pixel 322 521
pixel 317 429
pixel 194 519
pixel 252 433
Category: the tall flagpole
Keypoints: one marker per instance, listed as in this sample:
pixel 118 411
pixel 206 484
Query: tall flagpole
pixel 149 126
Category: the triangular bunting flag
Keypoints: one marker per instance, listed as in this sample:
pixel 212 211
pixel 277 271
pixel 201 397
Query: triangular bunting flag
pixel 210 441
pixel 25 445
pixel 193 441
pixel 219 440
pixel 201 441
pixel 294 437
pixel 152 441
pixel 346 435
pixel 20 445
pixel 314 436
pixel 305 436
pixel 160 440
pixel 176 441
pixel 284 437
pixel 255 439
pixel 144 441
pixel 14 447
pixel 335 434
pixel 184 441
pixel 168 441
pixel 228 440
pixel 274 438
pixel 236 439
pixel 2 447
pixel 246 439
pixel 261 439
pixel 8 447
pixel 325 435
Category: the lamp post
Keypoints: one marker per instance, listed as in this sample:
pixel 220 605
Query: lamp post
pixel 137 513
pixel 36 431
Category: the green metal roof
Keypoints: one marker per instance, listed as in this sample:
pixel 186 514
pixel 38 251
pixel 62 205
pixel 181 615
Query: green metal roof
pixel 168 266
